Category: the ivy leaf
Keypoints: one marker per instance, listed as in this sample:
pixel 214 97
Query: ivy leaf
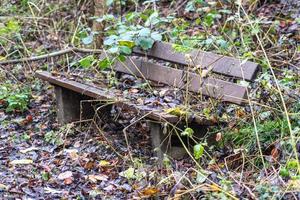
pixel 156 36
pixel 146 43
pixel 110 40
pixel 113 50
pixel 187 132
pixel 126 43
pixel 121 58
pixel 144 32
pixel 125 50
pixel 198 151
pixel 86 61
pixel 88 40
pixel 104 64
pixel 152 20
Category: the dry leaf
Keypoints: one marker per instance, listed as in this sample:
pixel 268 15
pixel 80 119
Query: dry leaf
pixel 150 191
pixel 95 178
pixel 29 149
pixel 103 163
pixel 218 137
pixel 275 153
pixel 68 181
pixel 21 162
pixel 65 175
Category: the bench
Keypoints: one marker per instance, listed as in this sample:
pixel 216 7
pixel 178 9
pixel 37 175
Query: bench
pixel 197 72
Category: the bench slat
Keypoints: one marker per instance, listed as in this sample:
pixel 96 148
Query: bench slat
pixel 216 88
pixel 221 64
pixel 97 93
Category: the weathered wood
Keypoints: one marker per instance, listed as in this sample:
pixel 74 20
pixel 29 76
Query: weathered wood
pixel 68 105
pixel 157 138
pixel 216 88
pixel 220 64
pixel 97 93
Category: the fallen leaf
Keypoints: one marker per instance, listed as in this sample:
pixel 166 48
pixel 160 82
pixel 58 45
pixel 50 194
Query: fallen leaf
pixel 29 149
pixel 218 137
pixel 65 175
pixel 89 165
pixel 214 187
pixel 275 153
pixel 133 90
pixel 109 188
pixel 3 187
pixel 103 163
pixel 150 191
pixel 68 181
pixel 21 162
pixel 129 173
pixel 52 191
pixel 95 178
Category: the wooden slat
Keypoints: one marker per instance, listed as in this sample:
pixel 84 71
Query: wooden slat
pixel 216 88
pixel 221 64
pixel 151 71
pixel 97 93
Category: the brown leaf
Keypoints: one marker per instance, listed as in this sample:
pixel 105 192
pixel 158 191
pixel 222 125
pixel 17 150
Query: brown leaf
pixel 150 191
pixel 65 175
pixel 218 136
pixel 68 181
pixel 89 165
pixel 275 153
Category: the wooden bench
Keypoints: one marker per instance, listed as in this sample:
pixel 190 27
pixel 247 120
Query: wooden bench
pixel 193 73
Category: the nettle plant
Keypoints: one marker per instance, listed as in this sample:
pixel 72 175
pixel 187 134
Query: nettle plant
pixel 122 35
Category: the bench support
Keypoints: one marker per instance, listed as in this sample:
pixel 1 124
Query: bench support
pixel 157 138
pixel 68 105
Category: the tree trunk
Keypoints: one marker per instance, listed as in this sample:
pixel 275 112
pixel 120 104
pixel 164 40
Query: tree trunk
pixel 99 11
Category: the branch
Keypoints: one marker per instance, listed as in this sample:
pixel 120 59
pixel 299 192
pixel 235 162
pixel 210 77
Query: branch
pixel 53 54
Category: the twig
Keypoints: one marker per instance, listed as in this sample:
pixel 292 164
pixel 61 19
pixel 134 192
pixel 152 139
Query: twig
pixel 53 54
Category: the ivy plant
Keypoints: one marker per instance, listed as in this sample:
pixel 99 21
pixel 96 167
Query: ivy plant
pixel 122 35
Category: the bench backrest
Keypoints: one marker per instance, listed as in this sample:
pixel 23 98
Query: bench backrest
pixel 198 81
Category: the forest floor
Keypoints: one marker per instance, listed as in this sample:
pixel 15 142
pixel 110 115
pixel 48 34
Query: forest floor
pixel 39 159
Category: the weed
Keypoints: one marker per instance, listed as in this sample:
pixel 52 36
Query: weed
pixel 14 99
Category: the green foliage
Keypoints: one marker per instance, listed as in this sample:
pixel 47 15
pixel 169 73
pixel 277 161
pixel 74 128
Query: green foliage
pixel 8 30
pixel 198 151
pixel 122 35
pixel 268 132
pixel 53 138
pixel 14 99
pixel 187 132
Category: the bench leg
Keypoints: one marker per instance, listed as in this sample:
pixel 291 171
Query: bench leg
pixel 68 105
pixel 158 138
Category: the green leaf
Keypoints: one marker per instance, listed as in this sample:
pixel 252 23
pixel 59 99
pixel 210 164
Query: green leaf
pixel 187 132
pixel 129 173
pixel 198 151
pixel 145 32
pixel 146 43
pixel 153 19
pixel 86 61
pixel 113 50
pixel 126 43
pixel 121 58
pixel 125 50
pixel 292 164
pixel 156 36
pixel 109 2
pixel 110 40
pixel 284 172
pixel 104 64
pixel 88 40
